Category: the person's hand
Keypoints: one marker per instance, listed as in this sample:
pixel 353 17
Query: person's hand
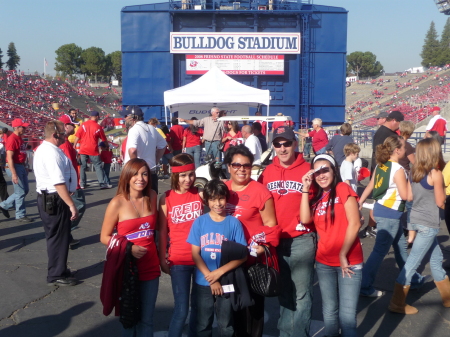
pixel 360 204
pixel 307 180
pixel 181 120
pixel 74 212
pixel 213 276
pixel 216 289
pixel 165 268
pixel 345 266
pixel 258 249
pixel 138 251
pixel 15 178
pixel 411 236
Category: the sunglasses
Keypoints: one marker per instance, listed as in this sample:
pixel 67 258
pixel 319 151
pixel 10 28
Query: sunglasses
pixel 237 166
pixel 285 144
pixel 321 170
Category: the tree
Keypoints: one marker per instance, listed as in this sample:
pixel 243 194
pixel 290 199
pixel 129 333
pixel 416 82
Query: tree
pixel 115 65
pixel 68 59
pixel 93 62
pixel 14 59
pixel 364 64
pixel 444 57
pixel 1 55
pixel 431 51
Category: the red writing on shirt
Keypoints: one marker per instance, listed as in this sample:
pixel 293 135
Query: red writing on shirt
pixel 211 239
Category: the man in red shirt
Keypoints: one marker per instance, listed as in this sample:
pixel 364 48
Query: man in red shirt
pixel 319 137
pixel 297 247
pixel 88 135
pixel 437 123
pixel 15 168
pixel 176 135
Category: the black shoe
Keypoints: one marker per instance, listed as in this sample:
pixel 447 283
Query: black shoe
pixel 11 209
pixel 63 282
pixel 25 219
pixel 5 212
pixel 74 242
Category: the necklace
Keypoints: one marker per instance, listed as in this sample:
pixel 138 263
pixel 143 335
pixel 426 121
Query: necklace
pixel 136 208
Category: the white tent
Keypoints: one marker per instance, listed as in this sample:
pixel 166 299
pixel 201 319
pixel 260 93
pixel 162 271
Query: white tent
pixel 215 88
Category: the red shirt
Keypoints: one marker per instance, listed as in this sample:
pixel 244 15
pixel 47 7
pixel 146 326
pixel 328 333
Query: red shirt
pixel 440 126
pixel 71 153
pixel 319 139
pixel 285 184
pixel 228 142
pixel 332 235
pixel 106 156
pixel 90 133
pixel 182 210
pixel 124 147
pixel 141 231
pixel 176 134
pixel 192 139
pixel 16 144
pixel 275 125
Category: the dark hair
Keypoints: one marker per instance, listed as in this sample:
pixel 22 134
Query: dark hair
pixel 192 127
pixel 332 198
pixel 165 129
pixel 437 136
pixel 235 150
pixel 257 126
pixel 234 126
pixel 174 121
pixel 385 150
pixel 214 189
pixel 179 160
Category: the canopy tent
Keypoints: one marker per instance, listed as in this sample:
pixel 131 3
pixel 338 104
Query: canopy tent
pixel 214 88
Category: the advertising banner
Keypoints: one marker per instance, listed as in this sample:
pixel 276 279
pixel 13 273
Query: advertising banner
pixel 203 110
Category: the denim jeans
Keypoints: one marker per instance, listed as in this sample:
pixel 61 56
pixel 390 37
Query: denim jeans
pixel 405 219
pixel 322 150
pixel 389 233
pixel 20 191
pixel 80 203
pixel 106 170
pixel 296 261
pixel 339 299
pixel 95 160
pixel 207 304
pixel 149 291
pixel 425 241
pixel 211 149
pixel 307 149
pixel 181 276
pixel 195 151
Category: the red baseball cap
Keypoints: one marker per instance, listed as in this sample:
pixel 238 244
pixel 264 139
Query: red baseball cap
pixel 66 120
pixel 19 122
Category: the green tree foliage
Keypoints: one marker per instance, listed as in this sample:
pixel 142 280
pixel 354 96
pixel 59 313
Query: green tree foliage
pixel 115 66
pixel 444 57
pixel 431 51
pixel 68 59
pixel 1 62
pixel 14 59
pixel 93 62
pixel 364 64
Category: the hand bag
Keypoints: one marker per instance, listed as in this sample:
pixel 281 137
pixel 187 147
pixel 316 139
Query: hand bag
pixel 221 146
pixel 264 278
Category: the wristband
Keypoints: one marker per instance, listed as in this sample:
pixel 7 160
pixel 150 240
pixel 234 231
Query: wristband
pixel 305 192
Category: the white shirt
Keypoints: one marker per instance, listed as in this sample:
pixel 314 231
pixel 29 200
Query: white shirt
pixel 348 172
pixel 253 144
pixel 432 121
pixel 145 139
pixel 52 167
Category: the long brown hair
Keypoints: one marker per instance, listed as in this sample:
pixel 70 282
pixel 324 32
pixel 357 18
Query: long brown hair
pixel 179 160
pixel 428 157
pixel 129 170
pixel 385 150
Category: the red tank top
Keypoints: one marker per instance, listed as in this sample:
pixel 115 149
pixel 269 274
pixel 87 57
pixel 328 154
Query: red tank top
pixel 182 210
pixel 141 231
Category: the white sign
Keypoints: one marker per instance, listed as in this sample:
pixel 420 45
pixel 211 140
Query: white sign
pixel 234 43
pixel 236 64
pixel 203 110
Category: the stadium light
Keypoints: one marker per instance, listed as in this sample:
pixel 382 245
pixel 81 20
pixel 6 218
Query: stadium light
pixel 443 6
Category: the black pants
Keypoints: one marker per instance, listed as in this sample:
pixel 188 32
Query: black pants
pixel 249 322
pixel 154 180
pixel 3 187
pixel 57 235
pixel 447 212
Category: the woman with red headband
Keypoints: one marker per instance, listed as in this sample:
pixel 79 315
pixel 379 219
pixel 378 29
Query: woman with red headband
pixel 178 209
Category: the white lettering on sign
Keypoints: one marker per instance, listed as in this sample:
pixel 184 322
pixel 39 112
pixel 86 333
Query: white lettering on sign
pixel 235 43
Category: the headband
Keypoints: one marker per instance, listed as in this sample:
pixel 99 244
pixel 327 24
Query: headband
pixel 324 156
pixel 187 167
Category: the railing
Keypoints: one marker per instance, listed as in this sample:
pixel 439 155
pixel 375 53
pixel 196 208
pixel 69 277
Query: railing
pixel 238 5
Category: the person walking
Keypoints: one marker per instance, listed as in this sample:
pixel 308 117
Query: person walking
pixel 192 142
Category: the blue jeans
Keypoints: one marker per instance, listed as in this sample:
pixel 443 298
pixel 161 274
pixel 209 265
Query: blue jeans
pixel 425 241
pixel 211 149
pixel 181 287
pixel 296 261
pixel 20 191
pixel 106 170
pixel 405 219
pixel 307 149
pixel 95 160
pixel 207 304
pixel 389 233
pixel 339 299
pixel 195 151
pixel 322 150
pixel 149 291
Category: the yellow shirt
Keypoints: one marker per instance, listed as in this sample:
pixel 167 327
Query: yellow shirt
pixel 72 137
pixel 446 174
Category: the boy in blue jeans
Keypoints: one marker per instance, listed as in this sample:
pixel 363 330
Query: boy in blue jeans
pixel 206 236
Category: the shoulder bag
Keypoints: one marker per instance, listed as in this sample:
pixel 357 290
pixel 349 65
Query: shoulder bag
pixel 264 278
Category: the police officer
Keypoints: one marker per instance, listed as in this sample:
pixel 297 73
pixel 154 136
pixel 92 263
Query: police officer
pixel 56 179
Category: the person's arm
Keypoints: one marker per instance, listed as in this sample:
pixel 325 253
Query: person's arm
pixel 184 142
pixel 9 156
pixel 412 158
pixel 216 287
pixel 354 224
pixel 215 275
pixel 187 121
pixel 402 184
pixel 159 154
pixel 163 233
pixel 439 191
pixel 132 152
pixel 305 210
pixel 65 196
pixel 268 214
pixel 367 191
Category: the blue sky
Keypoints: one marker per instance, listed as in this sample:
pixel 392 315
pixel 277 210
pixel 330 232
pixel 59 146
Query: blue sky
pixel 394 30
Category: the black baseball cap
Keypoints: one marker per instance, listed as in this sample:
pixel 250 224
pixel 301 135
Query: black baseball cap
pixel 283 132
pixel 397 115
pixel 132 110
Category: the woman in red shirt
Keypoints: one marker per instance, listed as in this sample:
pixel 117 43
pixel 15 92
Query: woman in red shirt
pixel 178 208
pixel 192 142
pixel 339 259
pixel 132 212
pixel 233 133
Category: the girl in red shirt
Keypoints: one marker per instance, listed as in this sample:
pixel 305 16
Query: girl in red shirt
pixel 192 142
pixel 178 208
pixel 132 212
pixel 335 212
pixel 233 133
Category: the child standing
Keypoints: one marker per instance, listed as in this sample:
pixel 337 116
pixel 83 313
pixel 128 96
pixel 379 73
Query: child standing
pixel 206 236
pixel 347 170
pixel 106 157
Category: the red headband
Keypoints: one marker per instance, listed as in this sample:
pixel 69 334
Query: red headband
pixel 188 167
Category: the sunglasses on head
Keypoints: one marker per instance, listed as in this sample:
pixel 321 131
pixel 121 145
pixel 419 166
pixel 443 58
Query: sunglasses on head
pixel 237 166
pixel 285 144
pixel 321 170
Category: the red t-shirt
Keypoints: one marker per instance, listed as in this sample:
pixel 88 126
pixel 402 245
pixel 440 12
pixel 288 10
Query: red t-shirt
pixel 182 210
pixel 192 139
pixel 332 235
pixel 319 139
pixel 16 144
pixel 176 134
pixel 106 156
pixel 90 132
pixel 141 231
pixel 275 125
pixel 228 142
pixel 71 153
pixel 440 126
